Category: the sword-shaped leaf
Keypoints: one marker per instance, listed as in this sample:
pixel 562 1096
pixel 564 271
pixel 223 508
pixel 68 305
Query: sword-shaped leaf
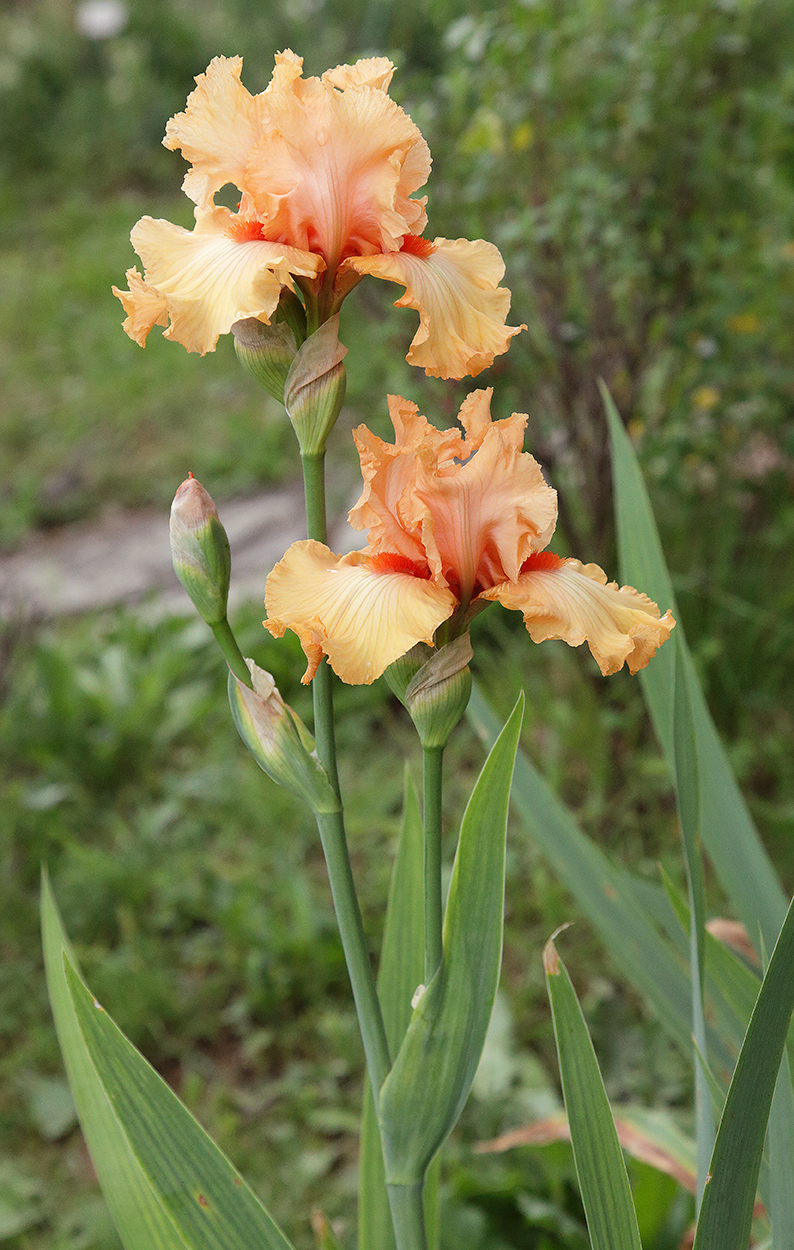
pixel 603 1181
pixel 424 1093
pixel 167 1184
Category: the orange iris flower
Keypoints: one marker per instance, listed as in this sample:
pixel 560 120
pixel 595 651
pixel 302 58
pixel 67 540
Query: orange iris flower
pixel 326 168
pixel 454 520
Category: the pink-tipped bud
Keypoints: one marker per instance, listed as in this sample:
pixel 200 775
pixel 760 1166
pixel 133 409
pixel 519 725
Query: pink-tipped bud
pixel 200 550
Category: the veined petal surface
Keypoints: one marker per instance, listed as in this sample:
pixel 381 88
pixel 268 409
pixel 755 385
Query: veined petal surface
pixel 334 170
pixel 454 286
pixel 373 71
pixel 355 609
pixel 573 601
pixel 207 278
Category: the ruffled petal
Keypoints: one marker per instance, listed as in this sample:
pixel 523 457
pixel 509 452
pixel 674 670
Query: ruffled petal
pixel 454 286
pixel 333 170
pixel 353 609
pixel 221 123
pixel 208 278
pixel 471 507
pixel 572 601
pixel 389 470
pixel 145 307
pixel 373 71
pixel 484 515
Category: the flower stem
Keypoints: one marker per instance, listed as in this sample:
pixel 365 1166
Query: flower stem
pixel 408 1216
pixel 314 486
pixel 332 828
pixel 354 944
pixel 234 656
pixel 433 763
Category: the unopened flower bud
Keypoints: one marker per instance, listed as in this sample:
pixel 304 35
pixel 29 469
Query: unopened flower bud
pixel 278 740
pixel 200 550
pixel 435 687
pixel 266 352
pixel 315 387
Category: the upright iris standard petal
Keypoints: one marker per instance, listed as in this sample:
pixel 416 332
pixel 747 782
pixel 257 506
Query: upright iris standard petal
pixel 221 123
pixel 361 611
pixel 472 505
pixel 454 286
pixel 335 170
pixel 573 601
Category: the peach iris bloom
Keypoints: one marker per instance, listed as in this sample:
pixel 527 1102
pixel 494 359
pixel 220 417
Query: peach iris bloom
pixel 454 520
pixel 326 168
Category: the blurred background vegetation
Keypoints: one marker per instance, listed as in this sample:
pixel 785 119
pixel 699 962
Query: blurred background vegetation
pixel 635 164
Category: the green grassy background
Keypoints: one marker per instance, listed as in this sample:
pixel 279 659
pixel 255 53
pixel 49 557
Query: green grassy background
pixel 635 165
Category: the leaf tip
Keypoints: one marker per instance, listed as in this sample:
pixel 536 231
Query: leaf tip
pixel 551 960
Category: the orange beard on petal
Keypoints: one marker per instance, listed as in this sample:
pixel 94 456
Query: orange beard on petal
pixel 541 562
pixel 393 562
pixel 415 245
pixel 246 230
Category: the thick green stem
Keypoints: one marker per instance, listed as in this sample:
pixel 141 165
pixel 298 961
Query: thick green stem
pixel 354 944
pixel 408 1216
pixel 234 656
pixel 314 485
pixel 332 829
pixel 433 763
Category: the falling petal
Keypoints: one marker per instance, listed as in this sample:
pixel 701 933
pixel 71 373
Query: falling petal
pixel 572 601
pixel 362 613
pixel 454 286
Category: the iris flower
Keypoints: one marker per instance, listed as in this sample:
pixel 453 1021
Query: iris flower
pixel 455 520
pixel 326 169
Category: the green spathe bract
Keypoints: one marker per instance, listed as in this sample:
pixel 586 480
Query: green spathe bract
pixel 266 352
pixel 424 1093
pixel 314 389
pixel 167 1185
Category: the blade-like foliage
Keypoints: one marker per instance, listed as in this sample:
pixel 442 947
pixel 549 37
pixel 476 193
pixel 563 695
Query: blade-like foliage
pixel 604 1184
pixel 399 973
pixel 601 891
pixel 424 1093
pixel 781 1158
pixel 167 1184
pixel 137 1212
pixel 687 789
pixel 728 833
pixel 729 1198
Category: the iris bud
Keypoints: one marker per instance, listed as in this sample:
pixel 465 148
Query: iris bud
pixel 200 550
pixel 278 740
pixel 434 686
pixel 266 352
